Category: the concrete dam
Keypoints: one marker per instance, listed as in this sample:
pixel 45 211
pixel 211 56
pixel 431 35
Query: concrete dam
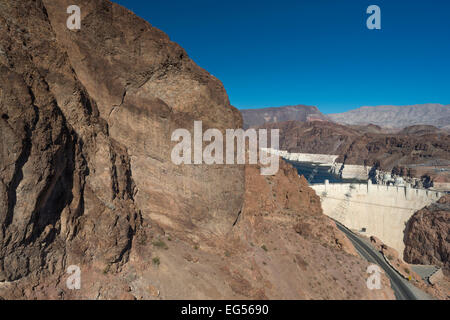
pixel 374 210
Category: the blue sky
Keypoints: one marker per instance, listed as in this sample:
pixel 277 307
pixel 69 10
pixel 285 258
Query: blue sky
pixel 315 52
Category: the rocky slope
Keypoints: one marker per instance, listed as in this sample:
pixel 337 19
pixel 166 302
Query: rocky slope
pixel 397 116
pixel 258 117
pixel 438 290
pixel 427 236
pixel 86 177
pixel 368 145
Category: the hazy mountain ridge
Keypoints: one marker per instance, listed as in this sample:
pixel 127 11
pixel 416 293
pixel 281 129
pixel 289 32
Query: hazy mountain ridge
pixel 437 115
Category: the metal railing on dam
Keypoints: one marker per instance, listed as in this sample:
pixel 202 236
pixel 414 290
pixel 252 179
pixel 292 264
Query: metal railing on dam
pixel 379 210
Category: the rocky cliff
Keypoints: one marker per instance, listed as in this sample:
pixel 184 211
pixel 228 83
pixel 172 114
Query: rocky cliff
pixel 427 236
pixel 87 180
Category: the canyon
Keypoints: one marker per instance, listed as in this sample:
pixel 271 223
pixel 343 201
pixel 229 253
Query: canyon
pixel 417 153
pixel 389 180
pixel 86 177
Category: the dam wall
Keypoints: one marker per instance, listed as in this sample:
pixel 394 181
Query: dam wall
pixel 381 210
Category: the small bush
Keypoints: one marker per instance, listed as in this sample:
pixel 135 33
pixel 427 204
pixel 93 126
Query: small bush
pixel 106 270
pixel 264 248
pixel 156 261
pixel 160 244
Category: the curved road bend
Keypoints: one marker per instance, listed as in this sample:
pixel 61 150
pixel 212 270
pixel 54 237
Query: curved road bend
pixel 398 284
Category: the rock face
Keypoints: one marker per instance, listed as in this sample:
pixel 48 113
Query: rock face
pixel 61 173
pixel 87 180
pixel 427 236
pixel 259 117
pixel 368 146
pixel 397 116
pixel 145 87
pixel 80 152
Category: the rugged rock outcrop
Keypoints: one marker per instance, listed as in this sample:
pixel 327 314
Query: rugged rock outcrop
pixel 258 117
pixel 427 236
pixel 145 87
pixel 86 177
pixel 72 172
pixel 397 116
pixel 61 173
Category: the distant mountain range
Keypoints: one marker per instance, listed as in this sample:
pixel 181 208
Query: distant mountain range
pixel 398 117
pixel 437 115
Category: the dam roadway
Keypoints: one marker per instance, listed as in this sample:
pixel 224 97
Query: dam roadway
pixel 402 288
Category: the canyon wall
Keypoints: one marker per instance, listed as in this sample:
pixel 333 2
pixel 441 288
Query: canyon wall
pixel 427 235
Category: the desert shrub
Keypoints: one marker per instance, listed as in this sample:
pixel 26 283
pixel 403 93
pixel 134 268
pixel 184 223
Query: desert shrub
pixel 160 244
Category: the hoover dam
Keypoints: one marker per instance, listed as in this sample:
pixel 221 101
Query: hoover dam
pixel 374 210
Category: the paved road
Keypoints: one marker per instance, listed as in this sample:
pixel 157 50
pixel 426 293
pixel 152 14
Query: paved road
pixel 400 286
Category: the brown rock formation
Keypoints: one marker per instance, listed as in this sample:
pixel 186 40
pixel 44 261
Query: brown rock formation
pixel 62 175
pixel 145 87
pixel 427 236
pixel 87 180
